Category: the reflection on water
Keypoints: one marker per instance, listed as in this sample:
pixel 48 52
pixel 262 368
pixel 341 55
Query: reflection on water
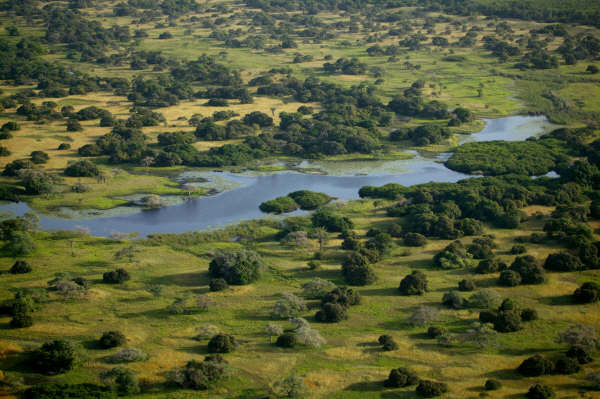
pixel 241 193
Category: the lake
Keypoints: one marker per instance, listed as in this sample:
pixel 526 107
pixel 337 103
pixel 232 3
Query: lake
pixel 243 192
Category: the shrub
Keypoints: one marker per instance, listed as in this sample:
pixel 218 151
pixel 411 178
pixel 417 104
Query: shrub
pixel 55 357
pixel 222 343
pixel 539 391
pixel 121 380
pixel 413 284
pixel 580 334
pixel 118 276
pixel 21 320
pixel 518 249
pixel 588 293
pixel 454 256
pixel 507 321
pixel 73 125
pixel 562 262
pixel 199 375
pixel 331 221
pixel 67 391
pixel 581 353
pixel 529 269
pixel 466 285
pixel 112 339
pixel 279 205
pixel 423 315
pixel 286 340
pixel 343 296
pixel 492 385
pixel 529 315
pixel 484 299
pixel 566 365
pixel 237 267
pixel 309 200
pixel 388 343
pixel 218 284
pixel 431 389
pixel 331 313
pixel 509 278
pixel 39 157
pixel 127 355
pixel 535 366
pixel 401 377
pixel 317 288
pixel 434 332
pixel 289 305
pixel 489 266
pixel 415 240
pixel 82 168
pixel 20 267
pixel 453 300
pixel 358 274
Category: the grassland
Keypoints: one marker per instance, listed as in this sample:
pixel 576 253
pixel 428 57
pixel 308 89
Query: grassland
pixel 348 366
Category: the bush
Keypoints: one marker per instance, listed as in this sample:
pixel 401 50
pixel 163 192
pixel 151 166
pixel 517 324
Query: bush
pixel 434 332
pixel 401 377
pixel 218 284
pixel 21 320
pixel 112 339
pixel 562 262
pixel 492 385
pixel 343 296
pixel 507 321
pixel 518 249
pixel 317 288
pixel 466 285
pixel 358 274
pixel 453 300
pixel 199 375
pixel 413 284
pixel 55 357
pixel 309 200
pixel 566 365
pixel 529 269
pixel 237 267
pixel 388 343
pixel 535 366
pixel 20 267
pixel 127 355
pixel 82 168
pixel 489 266
pixel 509 278
pixel 67 391
pixel 222 343
pixel 73 125
pixel 582 353
pixel 118 276
pixel 288 306
pixel 529 315
pixel 485 299
pixel 331 221
pixel 39 157
pixel 588 293
pixel 539 391
pixel 121 380
pixel 414 240
pixel 286 340
pixel 331 313
pixel 431 389
pixel 279 205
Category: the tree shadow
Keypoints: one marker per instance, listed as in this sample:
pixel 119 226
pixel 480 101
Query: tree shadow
pixel 183 279
pixel 392 291
pixel 92 345
pixel 135 300
pixel 94 263
pixel 560 300
pixel 524 351
pixel 153 313
pixel 365 386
